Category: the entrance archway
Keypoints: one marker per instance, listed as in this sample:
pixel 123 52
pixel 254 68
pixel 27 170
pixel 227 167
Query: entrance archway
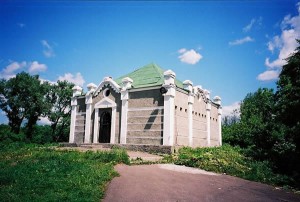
pixel 105 127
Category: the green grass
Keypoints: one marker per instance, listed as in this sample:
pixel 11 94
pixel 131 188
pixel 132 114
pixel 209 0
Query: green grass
pixel 228 160
pixel 36 173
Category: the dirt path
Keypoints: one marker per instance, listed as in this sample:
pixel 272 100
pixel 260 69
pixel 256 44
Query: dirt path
pixel 165 182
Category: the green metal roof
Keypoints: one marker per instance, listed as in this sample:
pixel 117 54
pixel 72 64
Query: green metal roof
pixel 147 76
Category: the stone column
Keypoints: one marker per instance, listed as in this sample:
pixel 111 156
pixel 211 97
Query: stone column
pixel 124 97
pixel 217 100
pixel 208 109
pixel 88 101
pixel 169 107
pixel 96 126
pixel 76 92
pixel 188 85
pixel 220 125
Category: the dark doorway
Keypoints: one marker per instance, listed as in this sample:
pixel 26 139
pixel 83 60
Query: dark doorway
pixel 105 124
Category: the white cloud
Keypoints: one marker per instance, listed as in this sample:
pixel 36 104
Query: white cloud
pixel 48 50
pixel 12 67
pixel 189 56
pixel 284 44
pixel 228 110
pixel 182 50
pixel 36 67
pixel 10 70
pixel 277 64
pixel 253 22
pixel 274 44
pixel 241 41
pixel 77 79
pixel 268 75
pixel 249 26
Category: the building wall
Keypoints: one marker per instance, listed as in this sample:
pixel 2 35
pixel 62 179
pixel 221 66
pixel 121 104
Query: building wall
pixel 199 122
pixel 145 117
pixel 147 98
pixel 214 137
pixel 181 119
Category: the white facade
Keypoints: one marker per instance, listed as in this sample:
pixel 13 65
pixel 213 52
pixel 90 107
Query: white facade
pixel 157 115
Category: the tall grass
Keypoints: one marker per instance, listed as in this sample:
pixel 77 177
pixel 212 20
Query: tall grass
pixel 229 160
pixel 34 173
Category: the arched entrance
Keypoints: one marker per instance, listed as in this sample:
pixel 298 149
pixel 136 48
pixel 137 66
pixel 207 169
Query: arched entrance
pixel 105 126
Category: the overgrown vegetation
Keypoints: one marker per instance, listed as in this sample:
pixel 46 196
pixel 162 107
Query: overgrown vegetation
pixel 229 160
pixel 269 124
pixel 40 173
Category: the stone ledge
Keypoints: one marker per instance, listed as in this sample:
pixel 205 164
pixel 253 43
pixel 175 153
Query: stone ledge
pixel 156 149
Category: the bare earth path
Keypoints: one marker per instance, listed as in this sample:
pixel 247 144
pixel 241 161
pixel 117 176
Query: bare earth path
pixel 166 182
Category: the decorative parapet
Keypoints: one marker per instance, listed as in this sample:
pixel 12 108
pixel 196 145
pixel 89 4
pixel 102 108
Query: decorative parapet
pixel 89 95
pixel 127 83
pixel 169 83
pixel 91 87
pixel 169 76
pixel 108 81
pixel 207 94
pixel 217 100
pixel 77 90
pixel 188 85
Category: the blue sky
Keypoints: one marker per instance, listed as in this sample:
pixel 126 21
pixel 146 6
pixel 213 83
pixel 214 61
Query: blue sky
pixel 230 48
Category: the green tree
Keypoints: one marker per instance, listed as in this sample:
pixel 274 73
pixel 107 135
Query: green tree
pixel 288 111
pixel 254 131
pixel 22 98
pixel 60 112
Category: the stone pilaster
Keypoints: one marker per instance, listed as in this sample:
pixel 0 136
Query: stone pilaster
pixel 76 92
pixel 217 100
pixel 188 85
pixel 88 101
pixel 124 97
pixel 169 107
pixel 208 109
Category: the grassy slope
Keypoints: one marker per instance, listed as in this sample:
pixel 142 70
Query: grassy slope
pixel 32 173
pixel 229 160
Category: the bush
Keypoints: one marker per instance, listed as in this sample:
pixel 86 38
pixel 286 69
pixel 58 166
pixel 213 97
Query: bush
pixel 6 136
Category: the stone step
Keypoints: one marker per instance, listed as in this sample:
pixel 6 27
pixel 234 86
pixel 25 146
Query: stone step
pixel 146 133
pixel 142 127
pixel 144 140
pixel 146 119
pixel 145 112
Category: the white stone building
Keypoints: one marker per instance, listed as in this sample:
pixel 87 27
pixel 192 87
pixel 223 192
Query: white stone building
pixel 148 107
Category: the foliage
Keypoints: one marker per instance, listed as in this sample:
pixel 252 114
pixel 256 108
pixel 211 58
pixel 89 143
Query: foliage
pixel 229 160
pixel 32 173
pixel 288 114
pixel 60 98
pixel 23 98
pixel 6 136
pixel 269 128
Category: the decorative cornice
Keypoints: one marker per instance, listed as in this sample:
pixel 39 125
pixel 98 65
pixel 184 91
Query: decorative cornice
pixel 107 81
pixel 200 92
